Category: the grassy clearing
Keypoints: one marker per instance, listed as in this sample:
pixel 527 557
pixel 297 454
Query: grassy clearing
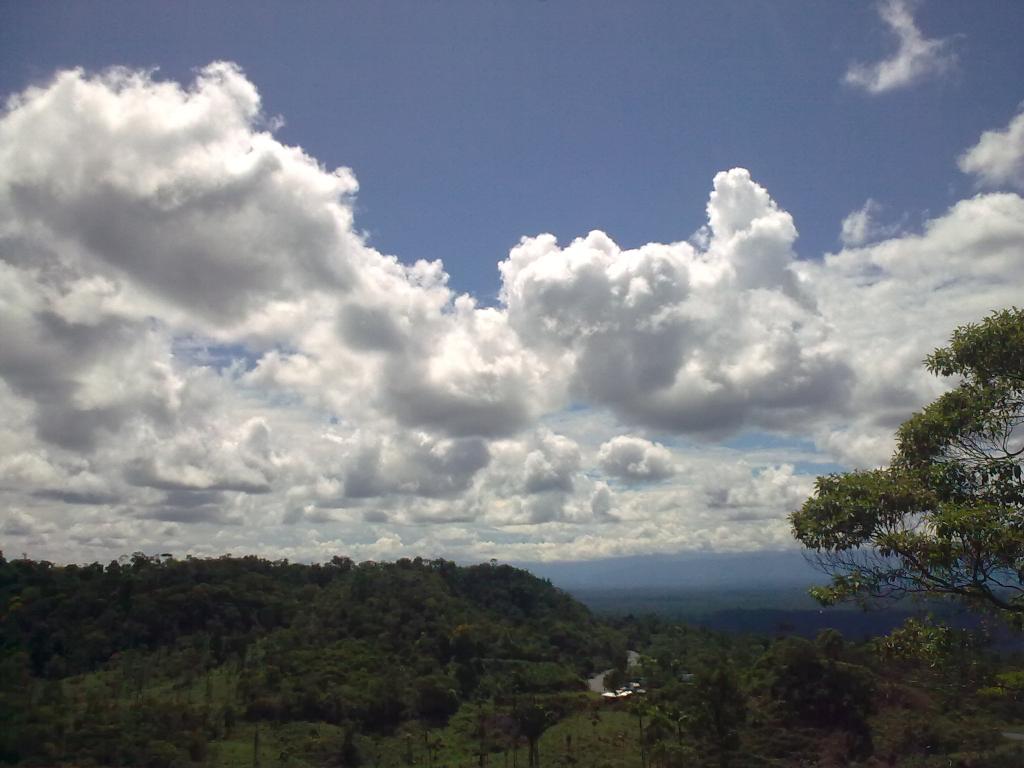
pixel 608 740
pixel 289 745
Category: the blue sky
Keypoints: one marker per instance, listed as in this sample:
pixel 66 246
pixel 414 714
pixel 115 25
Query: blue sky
pixel 235 363
pixel 470 124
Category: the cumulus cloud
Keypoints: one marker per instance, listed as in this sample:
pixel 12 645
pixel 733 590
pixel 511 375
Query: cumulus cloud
pixel 679 338
pixel 916 56
pixel 536 477
pixel 142 199
pixel 17 523
pixel 200 351
pixel 893 301
pixel 602 503
pixel 635 459
pixel 408 463
pixel 176 191
pixel 753 494
pixel 203 460
pixel 997 160
pixel 862 226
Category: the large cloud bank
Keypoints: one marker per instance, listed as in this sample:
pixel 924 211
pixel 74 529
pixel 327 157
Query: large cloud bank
pixel 200 352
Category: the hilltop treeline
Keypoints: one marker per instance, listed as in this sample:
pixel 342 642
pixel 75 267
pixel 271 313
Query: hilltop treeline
pixel 69 619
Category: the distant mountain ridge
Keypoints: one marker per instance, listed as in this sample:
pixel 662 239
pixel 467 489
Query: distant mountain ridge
pixel 763 570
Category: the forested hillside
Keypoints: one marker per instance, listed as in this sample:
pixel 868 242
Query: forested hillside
pixel 366 646
pixel 153 661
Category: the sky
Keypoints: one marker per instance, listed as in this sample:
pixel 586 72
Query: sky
pixel 534 281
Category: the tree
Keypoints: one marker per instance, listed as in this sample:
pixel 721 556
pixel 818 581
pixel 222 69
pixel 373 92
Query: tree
pixel 532 720
pixel 719 709
pixel 947 516
pixel 808 687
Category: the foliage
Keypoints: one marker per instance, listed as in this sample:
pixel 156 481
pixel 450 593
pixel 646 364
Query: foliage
pixel 718 709
pixel 945 518
pixel 236 662
pixel 810 685
pixel 198 642
pixel 922 641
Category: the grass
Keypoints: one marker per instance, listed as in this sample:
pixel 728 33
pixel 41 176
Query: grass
pixel 289 745
pixel 608 740
pixel 611 740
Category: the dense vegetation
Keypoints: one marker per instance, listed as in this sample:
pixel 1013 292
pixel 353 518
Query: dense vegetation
pixel 159 662
pixel 110 656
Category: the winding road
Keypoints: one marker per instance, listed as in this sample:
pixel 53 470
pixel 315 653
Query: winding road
pixel 596 683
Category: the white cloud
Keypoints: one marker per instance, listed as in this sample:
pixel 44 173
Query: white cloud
pixel 602 502
pixel 199 353
pixel 892 302
pixel 997 160
pixel 676 338
pixel 635 459
pixel 862 226
pixel 207 459
pixel 17 523
pixel 535 479
pixel 916 56
pixel 758 494
pixel 409 463
pixel 176 192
